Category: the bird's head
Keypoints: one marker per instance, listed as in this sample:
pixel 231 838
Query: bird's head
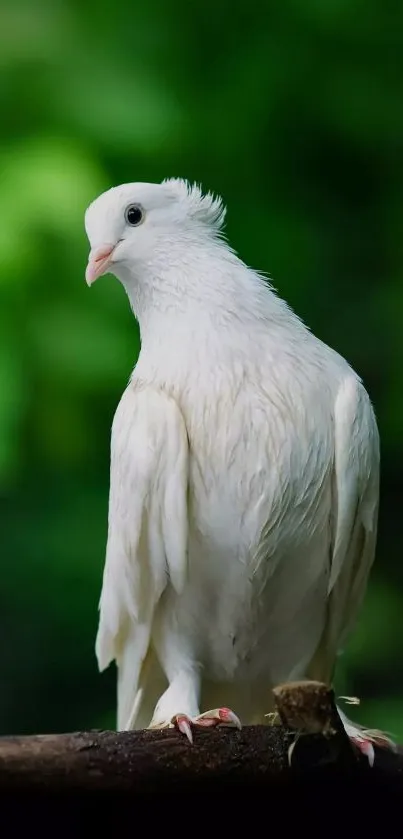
pixel 128 224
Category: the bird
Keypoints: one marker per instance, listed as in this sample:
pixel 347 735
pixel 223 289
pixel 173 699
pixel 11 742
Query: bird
pixel 244 477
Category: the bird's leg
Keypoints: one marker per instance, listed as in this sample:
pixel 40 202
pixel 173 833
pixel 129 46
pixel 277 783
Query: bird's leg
pixel 183 693
pixel 179 706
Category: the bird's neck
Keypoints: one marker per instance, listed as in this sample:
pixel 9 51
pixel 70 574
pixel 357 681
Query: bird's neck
pixel 201 305
pixel 197 282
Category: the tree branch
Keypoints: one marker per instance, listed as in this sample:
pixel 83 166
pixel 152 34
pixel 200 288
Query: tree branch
pixel 144 766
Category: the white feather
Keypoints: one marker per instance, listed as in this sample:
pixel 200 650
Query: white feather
pixel 243 438
pixel 355 505
pixel 147 539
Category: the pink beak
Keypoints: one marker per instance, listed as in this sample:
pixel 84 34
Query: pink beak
pixel 98 262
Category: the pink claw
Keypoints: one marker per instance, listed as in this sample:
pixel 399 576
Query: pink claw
pixel 219 716
pixel 183 724
pixel 228 716
pixel 366 748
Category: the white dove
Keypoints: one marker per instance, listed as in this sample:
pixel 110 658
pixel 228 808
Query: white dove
pixel 244 477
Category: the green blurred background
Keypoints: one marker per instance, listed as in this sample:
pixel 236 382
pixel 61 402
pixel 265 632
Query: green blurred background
pixel 293 111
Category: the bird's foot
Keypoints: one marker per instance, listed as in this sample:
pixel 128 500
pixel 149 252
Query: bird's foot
pixel 365 739
pixel 210 719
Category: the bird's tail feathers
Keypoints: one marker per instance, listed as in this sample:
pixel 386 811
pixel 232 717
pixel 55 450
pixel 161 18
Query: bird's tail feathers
pixel 130 662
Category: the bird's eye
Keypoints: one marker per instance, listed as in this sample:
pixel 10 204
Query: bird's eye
pixel 134 215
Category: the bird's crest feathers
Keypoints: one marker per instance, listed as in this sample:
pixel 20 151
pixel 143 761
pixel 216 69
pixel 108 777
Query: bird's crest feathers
pixel 206 208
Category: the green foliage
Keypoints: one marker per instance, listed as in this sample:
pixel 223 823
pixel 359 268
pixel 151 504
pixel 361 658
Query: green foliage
pixel 292 111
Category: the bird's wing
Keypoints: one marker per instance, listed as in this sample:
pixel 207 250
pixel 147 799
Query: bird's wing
pixel 355 513
pixel 147 534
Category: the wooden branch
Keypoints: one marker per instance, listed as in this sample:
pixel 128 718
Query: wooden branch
pixel 146 766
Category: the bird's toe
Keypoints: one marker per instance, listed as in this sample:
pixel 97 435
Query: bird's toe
pixel 365 739
pixel 219 716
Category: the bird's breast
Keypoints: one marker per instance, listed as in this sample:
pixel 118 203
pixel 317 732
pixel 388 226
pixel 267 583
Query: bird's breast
pixel 259 459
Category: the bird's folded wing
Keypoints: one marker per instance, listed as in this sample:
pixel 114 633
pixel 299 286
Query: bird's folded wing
pixel 355 506
pixel 147 536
